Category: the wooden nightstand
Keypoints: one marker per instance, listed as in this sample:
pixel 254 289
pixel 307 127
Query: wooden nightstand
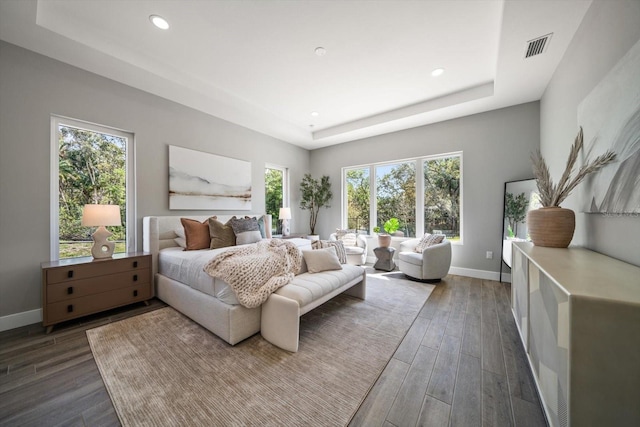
pixel 77 287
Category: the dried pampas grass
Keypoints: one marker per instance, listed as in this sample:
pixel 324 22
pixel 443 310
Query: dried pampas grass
pixel 553 195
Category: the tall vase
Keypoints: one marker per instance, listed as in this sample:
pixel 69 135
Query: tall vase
pixel 551 227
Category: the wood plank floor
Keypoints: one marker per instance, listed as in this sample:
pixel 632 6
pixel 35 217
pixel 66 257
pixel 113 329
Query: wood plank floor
pixel 460 364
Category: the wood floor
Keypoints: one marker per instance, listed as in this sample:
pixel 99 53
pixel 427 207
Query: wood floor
pixel 461 364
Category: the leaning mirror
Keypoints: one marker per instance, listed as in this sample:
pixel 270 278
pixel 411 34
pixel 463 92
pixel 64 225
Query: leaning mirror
pixel 519 198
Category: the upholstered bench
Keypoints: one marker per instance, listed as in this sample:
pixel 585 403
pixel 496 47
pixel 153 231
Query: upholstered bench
pixel 280 324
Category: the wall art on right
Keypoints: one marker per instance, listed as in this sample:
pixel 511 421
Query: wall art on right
pixel 610 117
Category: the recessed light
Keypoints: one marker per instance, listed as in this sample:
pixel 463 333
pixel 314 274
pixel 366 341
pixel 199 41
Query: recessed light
pixel 437 72
pixel 159 22
pixel 320 51
pixel 315 114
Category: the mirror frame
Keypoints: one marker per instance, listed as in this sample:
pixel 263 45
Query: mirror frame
pixel 523 185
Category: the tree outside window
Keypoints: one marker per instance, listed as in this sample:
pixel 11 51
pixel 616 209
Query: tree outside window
pixel 396 196
pixel 274 196
pixel 91 169
pixel 358 199
pixel 442 196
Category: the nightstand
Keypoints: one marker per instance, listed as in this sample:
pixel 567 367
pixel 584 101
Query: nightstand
pixel 76 287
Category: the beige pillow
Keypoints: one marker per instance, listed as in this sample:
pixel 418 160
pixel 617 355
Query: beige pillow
pixel 428 240
pixel 196 234
pixel 319 260
pixel 222 235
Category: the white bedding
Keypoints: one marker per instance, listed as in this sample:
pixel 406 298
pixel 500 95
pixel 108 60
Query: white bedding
pixel 188 267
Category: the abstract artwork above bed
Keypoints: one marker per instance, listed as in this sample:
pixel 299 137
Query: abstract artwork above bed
pixel 199 180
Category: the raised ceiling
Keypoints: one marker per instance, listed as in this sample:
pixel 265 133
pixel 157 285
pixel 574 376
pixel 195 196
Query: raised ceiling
pixel 253 62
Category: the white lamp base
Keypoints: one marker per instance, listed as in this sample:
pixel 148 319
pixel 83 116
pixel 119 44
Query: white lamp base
pixel 102 248
pixel 285 227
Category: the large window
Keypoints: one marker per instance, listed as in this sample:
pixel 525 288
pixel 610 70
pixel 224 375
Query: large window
pixel 90 165
pixel 430 203
pixel 358 199
pixel 275 194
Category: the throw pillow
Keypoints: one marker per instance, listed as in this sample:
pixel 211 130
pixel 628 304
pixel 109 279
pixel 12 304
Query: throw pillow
pixel 428 240
pixel 263 231
pixel 247 237
pixel 340 251
pixel 222 235
pixel 244 229
pixel 349 239
pixel 319 260
pixel 196 234
pixel 181 240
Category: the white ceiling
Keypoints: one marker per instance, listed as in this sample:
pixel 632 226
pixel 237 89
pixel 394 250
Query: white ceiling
pixel 252 62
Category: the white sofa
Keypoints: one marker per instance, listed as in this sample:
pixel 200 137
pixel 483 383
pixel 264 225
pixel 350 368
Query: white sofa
pixel 431 265
pixel 356 255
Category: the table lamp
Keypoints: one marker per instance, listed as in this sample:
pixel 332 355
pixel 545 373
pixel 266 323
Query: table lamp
pixel 285 216
pixel 101 216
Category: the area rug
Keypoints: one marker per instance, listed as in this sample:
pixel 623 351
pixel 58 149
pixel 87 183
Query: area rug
pixel 161 368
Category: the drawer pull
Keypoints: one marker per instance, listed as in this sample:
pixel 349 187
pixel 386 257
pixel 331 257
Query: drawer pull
pixel 69 290
pixel 135 293
pixel 135 264
pixel 70 274
pixel 70 308
pixel 135 277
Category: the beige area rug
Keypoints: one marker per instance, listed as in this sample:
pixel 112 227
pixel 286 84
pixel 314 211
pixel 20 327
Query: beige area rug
pixel 160 368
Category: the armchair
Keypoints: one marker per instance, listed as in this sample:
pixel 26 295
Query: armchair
pixel 356 255
pixel 431 265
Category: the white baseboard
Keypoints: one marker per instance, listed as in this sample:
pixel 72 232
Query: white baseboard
pixel 17 320
pixel 476 274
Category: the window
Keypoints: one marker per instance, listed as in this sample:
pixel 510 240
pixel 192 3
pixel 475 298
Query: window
pixel 90 164
pixel 431 204
pixel 358 199
pixel 275 194
pixel 442 196
pixel 396 196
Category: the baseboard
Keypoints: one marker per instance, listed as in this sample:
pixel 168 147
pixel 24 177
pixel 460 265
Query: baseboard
pixel 17 320
pixel 477 274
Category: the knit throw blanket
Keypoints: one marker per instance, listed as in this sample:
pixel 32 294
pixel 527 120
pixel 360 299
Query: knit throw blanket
pixel 256 271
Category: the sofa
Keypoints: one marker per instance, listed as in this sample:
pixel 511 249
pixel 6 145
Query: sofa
pixel 431 265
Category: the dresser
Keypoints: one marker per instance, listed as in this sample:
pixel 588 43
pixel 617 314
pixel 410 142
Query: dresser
pixel 77 287
pixel 578 314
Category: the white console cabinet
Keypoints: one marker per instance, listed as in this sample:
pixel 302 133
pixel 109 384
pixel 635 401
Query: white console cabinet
pixel 578 314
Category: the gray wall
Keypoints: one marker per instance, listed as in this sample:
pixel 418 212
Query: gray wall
pixel 496 147
pixel 32 87
pixel 608 31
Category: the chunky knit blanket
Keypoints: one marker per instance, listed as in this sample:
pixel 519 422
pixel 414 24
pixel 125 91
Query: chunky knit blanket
pixel 256 271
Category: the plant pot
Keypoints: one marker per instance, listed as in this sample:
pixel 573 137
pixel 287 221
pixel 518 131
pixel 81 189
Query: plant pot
pixel 551 227
pixel 384 240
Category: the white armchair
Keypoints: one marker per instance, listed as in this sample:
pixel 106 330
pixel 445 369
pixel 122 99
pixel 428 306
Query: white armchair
pixel 356 255
pixel 431 265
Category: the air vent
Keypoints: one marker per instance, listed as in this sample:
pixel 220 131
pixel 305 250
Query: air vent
pixel 537 46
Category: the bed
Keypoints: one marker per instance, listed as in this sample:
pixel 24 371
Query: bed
pixel 181 283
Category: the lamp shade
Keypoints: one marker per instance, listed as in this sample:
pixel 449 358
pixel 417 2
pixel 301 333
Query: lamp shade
pixel 285 213
pixel 97 215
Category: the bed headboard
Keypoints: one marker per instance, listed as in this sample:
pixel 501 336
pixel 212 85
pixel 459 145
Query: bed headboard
pixel 158 232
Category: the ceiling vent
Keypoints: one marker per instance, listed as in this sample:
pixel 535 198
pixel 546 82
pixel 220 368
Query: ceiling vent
pixel 537 46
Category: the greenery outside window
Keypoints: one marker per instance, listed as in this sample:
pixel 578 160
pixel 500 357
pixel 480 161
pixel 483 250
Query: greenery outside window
pixel 89 164
pixel 275 194
pixel 375 193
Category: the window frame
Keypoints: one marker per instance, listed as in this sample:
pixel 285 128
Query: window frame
pixel 419 163
pixel 130 180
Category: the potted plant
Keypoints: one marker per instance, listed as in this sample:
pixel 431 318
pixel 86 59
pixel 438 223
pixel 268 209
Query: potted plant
pixel 314 194
pixel 390 227
pixel 551 225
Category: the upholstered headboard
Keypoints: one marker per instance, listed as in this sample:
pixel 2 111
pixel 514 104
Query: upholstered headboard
pixel 158 232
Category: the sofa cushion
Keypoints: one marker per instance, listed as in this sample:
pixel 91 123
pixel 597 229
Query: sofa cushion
pixel 354 250
pixel 308 287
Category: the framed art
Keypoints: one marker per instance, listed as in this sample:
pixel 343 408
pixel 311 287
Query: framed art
pixel 205 181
